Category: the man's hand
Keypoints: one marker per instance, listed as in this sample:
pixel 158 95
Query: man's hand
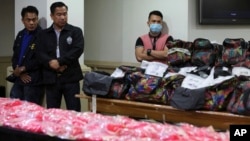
pixel 54 64
pixel 25 78
pixel 18 70
pixel 62 68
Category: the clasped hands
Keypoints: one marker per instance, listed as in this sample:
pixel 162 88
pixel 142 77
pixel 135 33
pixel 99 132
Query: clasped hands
pixel 54 64
pixel 20 72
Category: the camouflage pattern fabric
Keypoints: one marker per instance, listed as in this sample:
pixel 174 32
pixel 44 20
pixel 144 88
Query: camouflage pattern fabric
pixel 161 95
pixel 217 96
pixel 179 52
pixel 240 101
pixel 204 53
pixel 234 51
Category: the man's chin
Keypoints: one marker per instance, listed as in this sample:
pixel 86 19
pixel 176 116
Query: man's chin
pixel 155 33
pixel 62 24
pixel 31 29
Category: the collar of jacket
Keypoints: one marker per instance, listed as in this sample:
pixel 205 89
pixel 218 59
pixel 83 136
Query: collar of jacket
pixel 32 32
pixel 51 28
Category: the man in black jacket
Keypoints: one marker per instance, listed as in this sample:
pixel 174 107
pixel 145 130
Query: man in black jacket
pixel 59 48
pixel 26 69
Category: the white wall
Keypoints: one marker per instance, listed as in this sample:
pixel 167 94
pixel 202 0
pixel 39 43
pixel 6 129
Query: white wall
pixel 126 17
pixel 112 26
pixel 135 16
pixel 19 4
pixel 75 13
pixel 213 32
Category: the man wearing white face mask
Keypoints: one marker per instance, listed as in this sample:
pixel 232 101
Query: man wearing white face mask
pixel 152 46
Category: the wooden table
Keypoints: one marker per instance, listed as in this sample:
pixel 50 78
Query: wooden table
pixel 164 113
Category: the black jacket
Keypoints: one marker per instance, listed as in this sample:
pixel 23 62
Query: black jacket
pixel 71 44
pixel 29 59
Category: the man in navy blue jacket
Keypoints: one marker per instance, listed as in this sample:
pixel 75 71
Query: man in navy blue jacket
pixel 59 48
pixel 26 69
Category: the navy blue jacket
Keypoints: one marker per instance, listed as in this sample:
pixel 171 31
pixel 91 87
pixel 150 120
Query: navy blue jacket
pixel 29 59
pixel 71 44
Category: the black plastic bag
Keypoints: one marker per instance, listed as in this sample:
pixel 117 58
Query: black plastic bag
pixel 97 83
pixel 188 99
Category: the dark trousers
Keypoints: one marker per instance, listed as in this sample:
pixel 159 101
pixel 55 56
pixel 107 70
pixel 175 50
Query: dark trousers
pixel 55 92
pixel 33 94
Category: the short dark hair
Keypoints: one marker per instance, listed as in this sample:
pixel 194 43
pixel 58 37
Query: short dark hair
pixel 29 9
pixel 55 5
pixel 155 12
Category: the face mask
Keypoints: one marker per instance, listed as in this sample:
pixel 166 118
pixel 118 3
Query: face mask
pixel 155 28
